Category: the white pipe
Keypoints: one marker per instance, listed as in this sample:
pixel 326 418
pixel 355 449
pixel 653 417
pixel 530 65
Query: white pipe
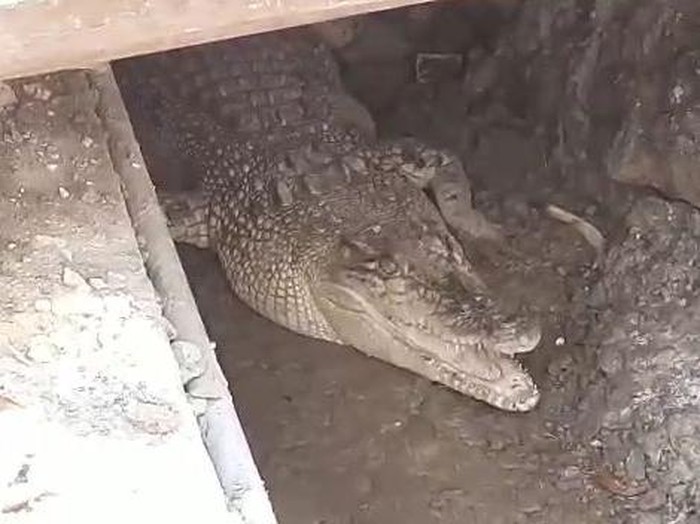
pixel 219 424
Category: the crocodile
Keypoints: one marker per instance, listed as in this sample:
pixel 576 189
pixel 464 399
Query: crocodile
pixel 320 226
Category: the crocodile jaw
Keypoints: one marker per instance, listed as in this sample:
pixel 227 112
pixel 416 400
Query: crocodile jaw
pixel 514 390
pixel 487 375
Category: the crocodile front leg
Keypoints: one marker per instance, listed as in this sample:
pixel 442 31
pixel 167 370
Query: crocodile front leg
pixel 452 193
pixel 441 175
pixel 188 216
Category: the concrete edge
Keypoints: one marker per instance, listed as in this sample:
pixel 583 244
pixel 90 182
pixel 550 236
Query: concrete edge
pixel 219 424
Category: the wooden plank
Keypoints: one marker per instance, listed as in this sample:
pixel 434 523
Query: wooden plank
pixel 38 37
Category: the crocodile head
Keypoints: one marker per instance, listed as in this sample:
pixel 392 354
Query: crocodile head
pixel 431 316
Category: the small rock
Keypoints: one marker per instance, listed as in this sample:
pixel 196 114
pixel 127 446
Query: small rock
pixel 532 507
pixel 43 305
pixel 635 464
pixel 651 500
pixel 90 196
pixel 97 283
pixel 169 328
pixel 63 192
pixel 190 359
pixel 570 472
pixel 152 417
pixel 87 141
pixel 496 444
pixel 437 67
pixel 560 341
pixel 52 167
pixel 22 476
pixel 37 91
pixel 73 279
pixel 610 361
pixel 590 210
pixel 677 94
pixel 7 95
pixel 570 478
pixel 678 493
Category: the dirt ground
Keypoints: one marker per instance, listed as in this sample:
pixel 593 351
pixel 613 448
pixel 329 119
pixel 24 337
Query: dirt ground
pixel 591 106
pixel 341 438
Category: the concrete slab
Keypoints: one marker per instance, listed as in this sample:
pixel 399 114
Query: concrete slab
pixel 39 37
pixel 94 421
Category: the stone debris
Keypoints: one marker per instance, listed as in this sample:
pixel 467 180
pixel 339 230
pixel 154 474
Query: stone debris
pixel 8 98
pixel 91 405
pixel 438 67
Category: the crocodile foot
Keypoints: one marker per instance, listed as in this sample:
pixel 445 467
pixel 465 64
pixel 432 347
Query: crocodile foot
pixel 188 216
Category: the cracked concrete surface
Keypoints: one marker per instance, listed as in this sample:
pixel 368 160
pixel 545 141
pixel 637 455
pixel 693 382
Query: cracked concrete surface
pixel 95 424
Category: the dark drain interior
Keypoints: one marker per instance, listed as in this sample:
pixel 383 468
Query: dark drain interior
pixel 577 125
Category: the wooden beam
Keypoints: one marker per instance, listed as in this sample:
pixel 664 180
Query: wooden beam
pixel 38 36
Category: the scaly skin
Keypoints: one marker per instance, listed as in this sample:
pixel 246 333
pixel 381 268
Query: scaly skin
pixel 334 237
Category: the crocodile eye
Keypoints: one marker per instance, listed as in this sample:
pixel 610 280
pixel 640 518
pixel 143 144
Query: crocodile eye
pixel 388 267
pixel 370 265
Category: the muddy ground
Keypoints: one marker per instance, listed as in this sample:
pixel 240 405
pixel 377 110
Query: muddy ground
pixel 591 106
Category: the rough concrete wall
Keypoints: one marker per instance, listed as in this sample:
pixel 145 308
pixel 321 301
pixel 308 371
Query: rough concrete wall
pixel 590 104
pixel 610 87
